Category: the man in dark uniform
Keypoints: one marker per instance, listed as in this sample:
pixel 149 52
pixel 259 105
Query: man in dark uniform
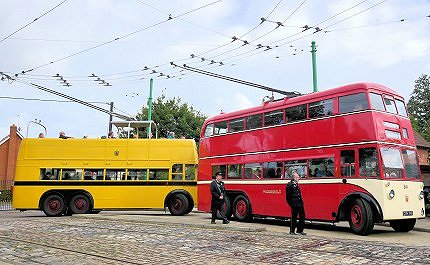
pixel 295 201
pixel 218 193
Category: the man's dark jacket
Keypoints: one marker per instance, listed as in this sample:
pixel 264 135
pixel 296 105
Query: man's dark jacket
pixel 217 192
pixel 293 194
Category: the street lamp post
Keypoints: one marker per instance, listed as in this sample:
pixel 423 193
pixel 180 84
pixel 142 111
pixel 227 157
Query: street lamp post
pixel 38 122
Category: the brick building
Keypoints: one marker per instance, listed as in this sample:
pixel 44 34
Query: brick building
pixel 9 146
pixel 423 155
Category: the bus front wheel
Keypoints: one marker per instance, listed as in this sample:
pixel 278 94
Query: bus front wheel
pixel 178 204
pixel 54 205
pixel 403 225
pixel 361 217
pixel 80 204
pixel 242 208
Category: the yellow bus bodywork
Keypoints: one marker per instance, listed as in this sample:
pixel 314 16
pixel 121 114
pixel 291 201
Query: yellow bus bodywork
pixel 105 154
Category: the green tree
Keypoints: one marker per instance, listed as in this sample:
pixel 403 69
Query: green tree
pixel 171 115
pixel 419 106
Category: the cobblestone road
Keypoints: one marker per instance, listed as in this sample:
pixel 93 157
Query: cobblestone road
pixel 74 240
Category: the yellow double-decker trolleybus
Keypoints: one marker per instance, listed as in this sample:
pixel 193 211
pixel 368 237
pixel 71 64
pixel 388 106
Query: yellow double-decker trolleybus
pixel 78 176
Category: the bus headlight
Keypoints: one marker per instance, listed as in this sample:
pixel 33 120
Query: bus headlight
pixel 391 194
pixel 421 195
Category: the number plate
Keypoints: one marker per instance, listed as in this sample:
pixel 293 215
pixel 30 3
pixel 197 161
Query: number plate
pixel 408 213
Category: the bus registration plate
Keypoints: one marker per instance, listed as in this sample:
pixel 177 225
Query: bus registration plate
pixel 408 213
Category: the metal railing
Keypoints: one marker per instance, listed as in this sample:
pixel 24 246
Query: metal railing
pixel 6 195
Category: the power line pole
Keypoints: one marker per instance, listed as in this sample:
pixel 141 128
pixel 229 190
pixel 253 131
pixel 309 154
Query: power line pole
pixel 110 117
pixel 150 105
pixel 314 67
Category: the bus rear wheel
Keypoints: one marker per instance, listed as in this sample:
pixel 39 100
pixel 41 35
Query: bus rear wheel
pixel 403 225
pixel 178 204
pixel 80 204
pixel 361 217
pixel 242 209
pixel 53 205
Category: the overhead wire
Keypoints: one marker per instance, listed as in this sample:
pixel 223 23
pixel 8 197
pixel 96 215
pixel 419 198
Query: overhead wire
pixel 34 20
pixel 121 37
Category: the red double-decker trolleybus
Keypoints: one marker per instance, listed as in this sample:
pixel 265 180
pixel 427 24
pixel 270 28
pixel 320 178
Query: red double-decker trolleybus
pixel 352 146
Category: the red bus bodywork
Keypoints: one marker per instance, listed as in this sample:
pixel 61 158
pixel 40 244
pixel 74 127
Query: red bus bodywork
pixel 329 198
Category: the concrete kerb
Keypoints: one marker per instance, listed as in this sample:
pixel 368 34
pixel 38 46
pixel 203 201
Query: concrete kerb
pixel 218 226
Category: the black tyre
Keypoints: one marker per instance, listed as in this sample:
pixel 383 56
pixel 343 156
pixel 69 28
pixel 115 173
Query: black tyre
pixel 242 208
pixel 361 217
pixel 80 204
pixel 403 225
pixel 225 209
pixel 178 204
pixel 54 205
pixel 190 206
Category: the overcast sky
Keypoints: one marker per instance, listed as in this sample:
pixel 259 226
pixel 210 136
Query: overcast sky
pixel 378 41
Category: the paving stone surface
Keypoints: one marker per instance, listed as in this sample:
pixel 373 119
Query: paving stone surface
pixel 72 240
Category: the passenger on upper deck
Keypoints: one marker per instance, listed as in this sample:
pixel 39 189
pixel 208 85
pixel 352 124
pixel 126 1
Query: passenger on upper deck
pixel 110 135
pixel 63 135
pixel 41 135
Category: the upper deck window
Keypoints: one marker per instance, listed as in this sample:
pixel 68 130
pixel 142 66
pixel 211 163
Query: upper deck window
pixel 254 121
pixel 236 125
pixel 321 108
pixel 220 128
pixel 376 101
pixel 273 118
pixel 353 102
pixel 390 105
pixel 209 130
pixel 401 107
pixel 295 113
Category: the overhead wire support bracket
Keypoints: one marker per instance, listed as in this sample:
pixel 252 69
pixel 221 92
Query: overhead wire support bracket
pixel 231 79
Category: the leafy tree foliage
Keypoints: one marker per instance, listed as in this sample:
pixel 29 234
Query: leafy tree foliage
pixel 171 115
pixel 419 106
